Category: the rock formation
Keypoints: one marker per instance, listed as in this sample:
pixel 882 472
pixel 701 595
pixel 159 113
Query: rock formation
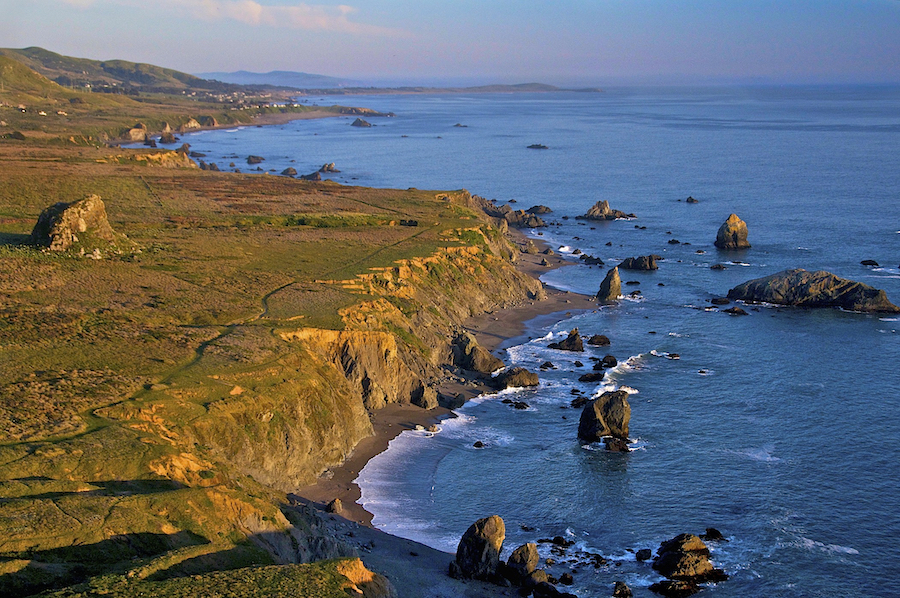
pixel 598 340
pixel 607 415
pixel 329 168
pixel 289 171
pixel 251 159
pixel 611 287
pixel 530 247
pixel 814 289
pixel 469 355
pixel 478 552
pixel 84 222
pixel 539 210
pixel 732 234
pixel 523 561
pixel 570 343
pixel 685 561
pixel 644 262
pixel 360 123
pixel 516 378
pixel 313 176
pixel 167 137
pixel 515 218
pixel 602 211
pixel 138 132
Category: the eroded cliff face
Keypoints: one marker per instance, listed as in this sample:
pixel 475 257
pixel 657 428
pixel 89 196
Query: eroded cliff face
pixel 304 412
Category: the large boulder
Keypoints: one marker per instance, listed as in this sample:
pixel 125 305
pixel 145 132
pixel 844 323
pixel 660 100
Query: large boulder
pixel 814 289
pixel 84 223
pixel 611 287
pixel 685 557
pixel 602 211
pixel 516 378
pixel 572 342
pixel 607 415
pixel 539 210
pixel 478 552
pixel 732 234
pixel 469 355
pixel 643 262
pixel 523 561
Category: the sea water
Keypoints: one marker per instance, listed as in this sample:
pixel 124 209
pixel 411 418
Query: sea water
pixel 779 428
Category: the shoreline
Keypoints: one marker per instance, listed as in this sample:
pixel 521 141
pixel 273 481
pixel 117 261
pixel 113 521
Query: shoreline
pixel 494 331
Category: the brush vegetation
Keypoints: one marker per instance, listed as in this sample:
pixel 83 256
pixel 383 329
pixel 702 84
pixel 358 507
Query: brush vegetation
pixel 157 403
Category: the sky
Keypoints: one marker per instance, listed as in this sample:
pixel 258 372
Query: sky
pixel 563 42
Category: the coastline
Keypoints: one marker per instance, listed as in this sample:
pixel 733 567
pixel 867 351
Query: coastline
pixel 493 330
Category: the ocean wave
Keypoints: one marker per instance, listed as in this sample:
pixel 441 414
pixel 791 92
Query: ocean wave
pixel 889 319
pixel 656 353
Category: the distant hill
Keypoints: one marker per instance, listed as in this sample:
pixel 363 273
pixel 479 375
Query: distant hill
pixel 116 74
pixel 280 79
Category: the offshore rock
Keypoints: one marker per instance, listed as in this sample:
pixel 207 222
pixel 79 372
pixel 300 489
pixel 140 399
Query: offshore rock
pixel 611 287
pixel 360 123
pixel 621 590
pixel 478 552
pixel 607 415
pixel 469 355
pixel 83 222
pixel 644 262
pixel 814 289
pixel 598 340
pixel 539 210
pixel 329 168
pixel 686 557
pixel 570 343
pixel 675 588
pixel 732 234
pixel 516 378
pixel 602 211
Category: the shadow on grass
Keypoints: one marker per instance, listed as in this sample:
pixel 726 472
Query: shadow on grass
pixel 105 488
pixel 31 572
pixel 15 239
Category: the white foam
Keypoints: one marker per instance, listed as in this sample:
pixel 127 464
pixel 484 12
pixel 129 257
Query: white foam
pixel 762 454
pixel 889 319
pixel 815 545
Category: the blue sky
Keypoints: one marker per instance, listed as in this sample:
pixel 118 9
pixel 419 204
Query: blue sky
pixel 567 42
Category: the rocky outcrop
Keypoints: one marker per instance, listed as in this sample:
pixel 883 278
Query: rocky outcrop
pixel 190 125
pixel 329 168
pixel 732 234
pixel 814 289
pixel 516 378
pixel 363 582
pixel 469 355
pixel 313 176
pixel 611 287
pixel 539 210
pixel 360 123
pixel 84 223
pixel 514 218
pixel 684 560
pixel 598 340
pixel 289 171
pixel 523 561
pixel 167 137
pixel 251 159
pixel 530 247
pixel 602 211
pixel 572 342
pixel 136 133
pixel 478 552
pixel 644 262
pixel 607 415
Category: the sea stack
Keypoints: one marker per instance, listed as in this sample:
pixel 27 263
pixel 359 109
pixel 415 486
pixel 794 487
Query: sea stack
pixel 611 287
pixel 607 415
pixel 732 234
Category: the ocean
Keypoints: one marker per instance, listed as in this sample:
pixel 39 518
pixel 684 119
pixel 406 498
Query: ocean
pixel 779 428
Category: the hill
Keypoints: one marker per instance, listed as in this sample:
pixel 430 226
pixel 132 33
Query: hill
pixel 115 76
pixel 292 79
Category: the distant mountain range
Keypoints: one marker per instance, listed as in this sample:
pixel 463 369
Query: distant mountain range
pixel 281 79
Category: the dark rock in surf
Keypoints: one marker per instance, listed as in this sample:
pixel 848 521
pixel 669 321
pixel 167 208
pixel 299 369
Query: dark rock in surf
pixel 598 340
pixel 572 342
pixel 644 262
pixel 621 590
pixel 611 287
pixel 602 211
pixel 539 210
pixel 607 415
pixel 516 378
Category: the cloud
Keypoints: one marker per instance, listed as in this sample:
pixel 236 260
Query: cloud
pixel 310 17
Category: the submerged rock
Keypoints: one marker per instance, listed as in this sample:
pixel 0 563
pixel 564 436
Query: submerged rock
pixel 814 289
pixel 611 287
pixel 732 234
pixel 478 552
pixel 607 415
